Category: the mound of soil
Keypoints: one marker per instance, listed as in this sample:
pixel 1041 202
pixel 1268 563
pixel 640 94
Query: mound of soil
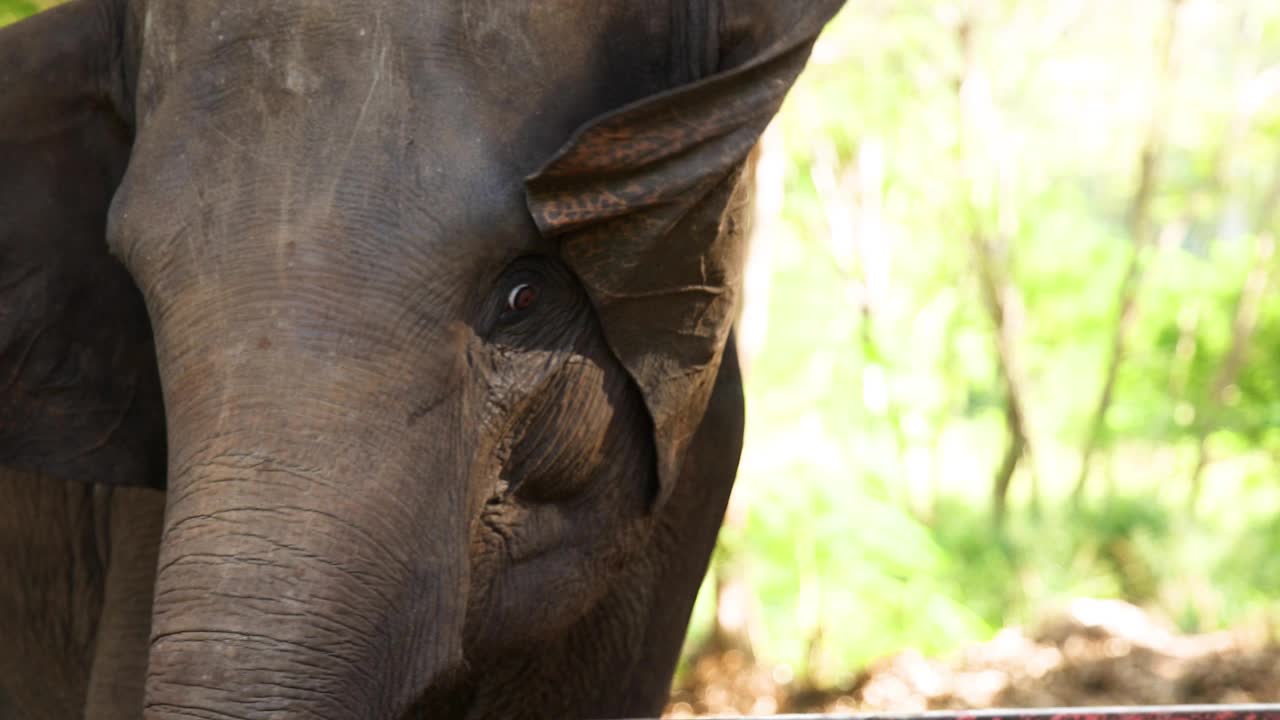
pixel 1094 652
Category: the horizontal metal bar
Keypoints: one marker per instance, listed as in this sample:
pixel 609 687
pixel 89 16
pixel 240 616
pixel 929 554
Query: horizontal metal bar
pixel 1153 712
pixel 1148 712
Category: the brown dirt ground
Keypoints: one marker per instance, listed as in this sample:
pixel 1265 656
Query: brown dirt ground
pixel 1094 652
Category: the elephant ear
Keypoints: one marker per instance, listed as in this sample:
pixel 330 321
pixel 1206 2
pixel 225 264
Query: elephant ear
pixel 79 391
pixel 646 204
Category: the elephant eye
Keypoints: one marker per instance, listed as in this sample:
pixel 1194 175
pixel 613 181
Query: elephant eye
pixel 524 288
pixel 522 297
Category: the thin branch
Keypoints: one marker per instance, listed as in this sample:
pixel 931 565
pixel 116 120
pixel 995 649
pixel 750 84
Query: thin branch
pixel 1248 307
pixel 1000 295
pixel 1139 223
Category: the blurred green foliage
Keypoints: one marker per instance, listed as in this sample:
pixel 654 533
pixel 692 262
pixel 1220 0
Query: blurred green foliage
pixel 862 521
pixel 14 10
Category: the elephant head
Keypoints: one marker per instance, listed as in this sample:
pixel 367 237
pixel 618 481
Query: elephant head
pixel 415 310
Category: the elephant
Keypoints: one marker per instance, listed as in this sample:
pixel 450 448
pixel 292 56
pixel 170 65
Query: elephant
pixel 370 360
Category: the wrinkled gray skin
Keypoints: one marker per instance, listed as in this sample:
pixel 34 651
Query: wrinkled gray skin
pixel 380 491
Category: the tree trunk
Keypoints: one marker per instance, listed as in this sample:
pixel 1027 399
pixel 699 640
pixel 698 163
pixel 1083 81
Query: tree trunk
pixel 1248 306
pixel 1140 230
pixel 851 199
pixel 1000 295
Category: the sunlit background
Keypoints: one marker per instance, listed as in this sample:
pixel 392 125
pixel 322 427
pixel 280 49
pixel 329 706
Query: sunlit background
pixel 1013 335
pixel 1012 339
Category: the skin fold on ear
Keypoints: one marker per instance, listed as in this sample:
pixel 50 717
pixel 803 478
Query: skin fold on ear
pixel 647 205
pixel 79 390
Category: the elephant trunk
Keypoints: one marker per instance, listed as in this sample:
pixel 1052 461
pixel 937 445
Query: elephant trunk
pixel 300 575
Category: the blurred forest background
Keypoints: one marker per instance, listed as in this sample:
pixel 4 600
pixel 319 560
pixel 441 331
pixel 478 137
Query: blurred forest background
pixel 1012 338
pixel 1012 334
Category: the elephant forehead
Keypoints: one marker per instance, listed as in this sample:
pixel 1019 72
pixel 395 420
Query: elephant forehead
pixel 398 129
pixel 539 69
pixel 377 224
